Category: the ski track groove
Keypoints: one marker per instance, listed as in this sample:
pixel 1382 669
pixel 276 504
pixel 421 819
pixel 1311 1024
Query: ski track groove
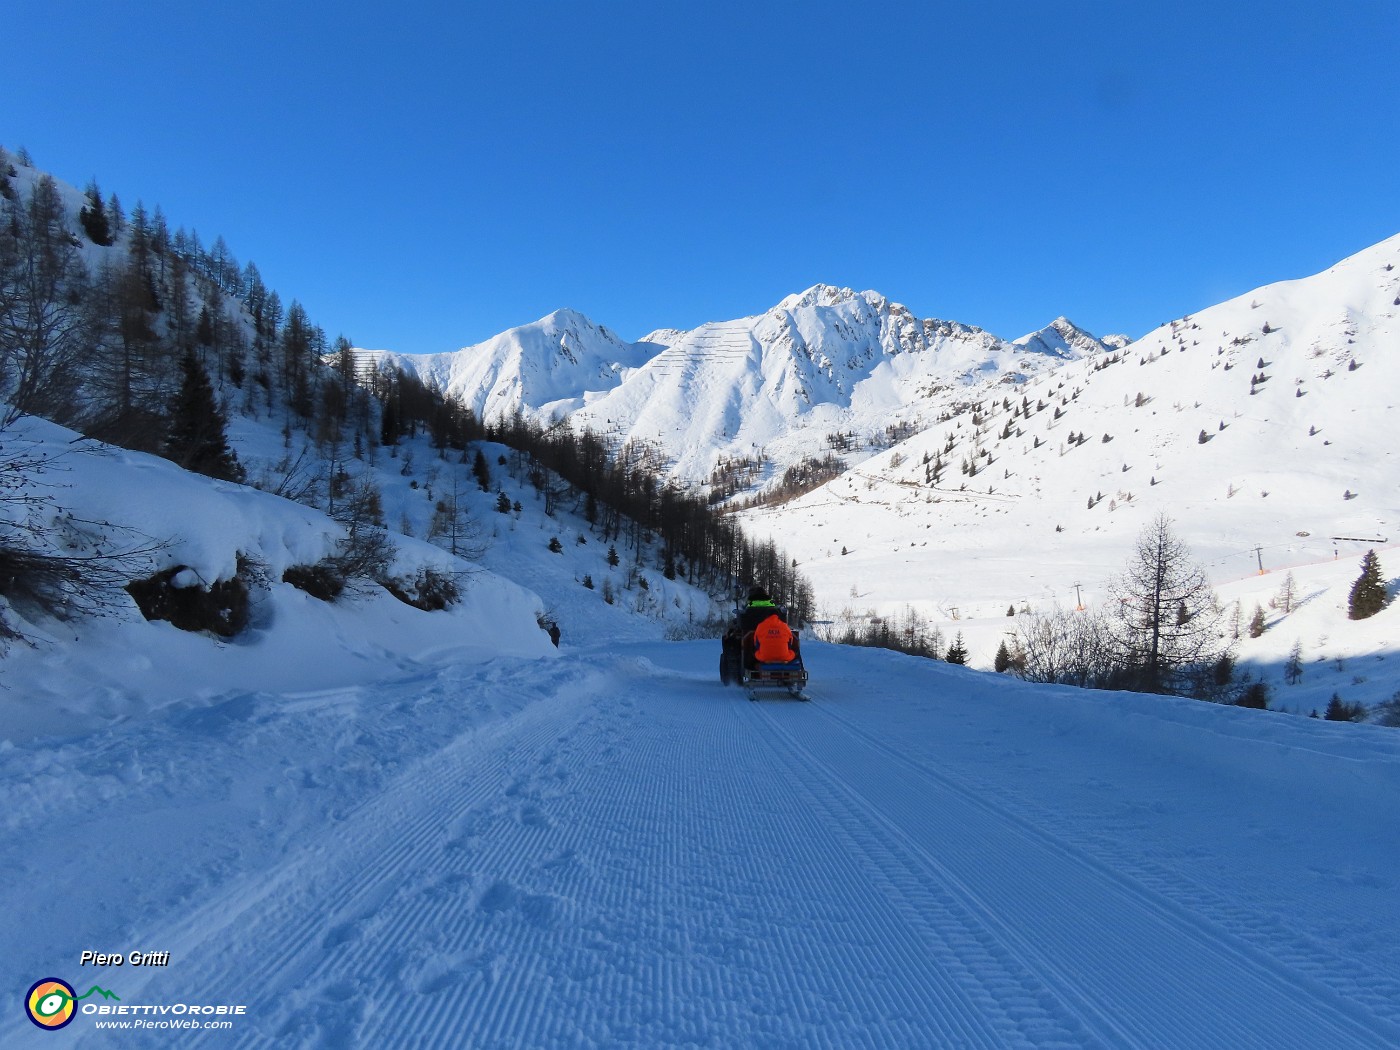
pixel 577 874
pixel 1313 965
pixel 1337 1020
pixel 407 821
pixel 925 973
pixel 1306 955
pixel 1012 1009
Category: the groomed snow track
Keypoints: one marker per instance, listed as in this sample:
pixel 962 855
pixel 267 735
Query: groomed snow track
pixel 632 856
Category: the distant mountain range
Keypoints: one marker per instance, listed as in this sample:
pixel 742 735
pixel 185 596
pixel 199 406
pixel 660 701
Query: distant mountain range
pixel 772 389
pixel 1262 425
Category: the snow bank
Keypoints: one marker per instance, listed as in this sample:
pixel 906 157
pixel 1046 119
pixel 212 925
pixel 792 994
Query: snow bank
pixel 72 676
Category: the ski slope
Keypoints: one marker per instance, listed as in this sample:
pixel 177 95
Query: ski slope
pixel 610 850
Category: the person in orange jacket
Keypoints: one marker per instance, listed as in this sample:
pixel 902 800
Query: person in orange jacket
pixel 773 641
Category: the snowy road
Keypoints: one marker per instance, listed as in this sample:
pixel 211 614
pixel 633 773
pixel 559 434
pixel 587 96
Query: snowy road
pixel 610 850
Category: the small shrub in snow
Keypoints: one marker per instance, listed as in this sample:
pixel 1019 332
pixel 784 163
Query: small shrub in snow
pixel 1388 713
pixel 322 580
pixel 696 630
pixel 178 596
pixel 432 590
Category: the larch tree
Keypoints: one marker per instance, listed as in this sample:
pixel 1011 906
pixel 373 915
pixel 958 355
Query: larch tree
pixel 1167 623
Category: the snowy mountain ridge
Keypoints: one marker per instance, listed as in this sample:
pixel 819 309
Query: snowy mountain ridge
pixel 770 388
pixel 1064 339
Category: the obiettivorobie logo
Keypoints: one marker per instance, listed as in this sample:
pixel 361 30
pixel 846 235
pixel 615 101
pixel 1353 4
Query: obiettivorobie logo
pixel 52 1003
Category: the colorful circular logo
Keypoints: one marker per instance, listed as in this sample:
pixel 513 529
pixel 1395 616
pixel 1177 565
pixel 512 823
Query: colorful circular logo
pixel 50 1003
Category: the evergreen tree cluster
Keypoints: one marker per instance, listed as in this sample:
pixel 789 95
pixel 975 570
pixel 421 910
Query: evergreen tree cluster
pixel 104 348
pixel 802 477
pixel 156 346
pixel 618 490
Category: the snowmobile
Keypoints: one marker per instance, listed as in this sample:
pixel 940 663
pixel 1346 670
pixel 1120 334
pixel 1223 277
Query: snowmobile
pixel 739 663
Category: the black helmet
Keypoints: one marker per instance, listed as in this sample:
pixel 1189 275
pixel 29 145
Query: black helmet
pixel 758 594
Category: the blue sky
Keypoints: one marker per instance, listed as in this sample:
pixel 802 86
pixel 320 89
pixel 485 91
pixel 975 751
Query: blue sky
pixel 421 178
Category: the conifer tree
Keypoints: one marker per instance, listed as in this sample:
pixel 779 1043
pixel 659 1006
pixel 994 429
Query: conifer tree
pixel 1255 695
pixel 1339 710
pixel 1368 595
pixel 93 218
pixel 1003 658
pixel 116 218
pixel 196 438
pixel 1293 668
pixel 1167 624
pixel 45 333
pixel 957 652
pixel 481 471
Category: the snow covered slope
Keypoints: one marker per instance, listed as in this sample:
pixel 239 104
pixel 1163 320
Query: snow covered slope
pixel 71 677
pixel 772 388
pixel 1263 426
pixel 612 850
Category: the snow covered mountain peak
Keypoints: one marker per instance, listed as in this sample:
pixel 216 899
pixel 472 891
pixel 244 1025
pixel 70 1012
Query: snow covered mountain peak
pixel 1064 339
pixel 547 367
pixel 824 295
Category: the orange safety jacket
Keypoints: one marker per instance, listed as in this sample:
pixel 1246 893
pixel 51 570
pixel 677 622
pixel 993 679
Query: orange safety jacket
pixel 773 641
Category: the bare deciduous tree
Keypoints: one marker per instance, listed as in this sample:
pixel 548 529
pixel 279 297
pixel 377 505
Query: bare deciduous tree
pixel 1065 647
pixel 1167 622
pixel 43 327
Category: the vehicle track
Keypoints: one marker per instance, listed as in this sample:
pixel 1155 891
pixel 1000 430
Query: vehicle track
pixel 1136 967
pixel 1309 957
pixel 635 858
